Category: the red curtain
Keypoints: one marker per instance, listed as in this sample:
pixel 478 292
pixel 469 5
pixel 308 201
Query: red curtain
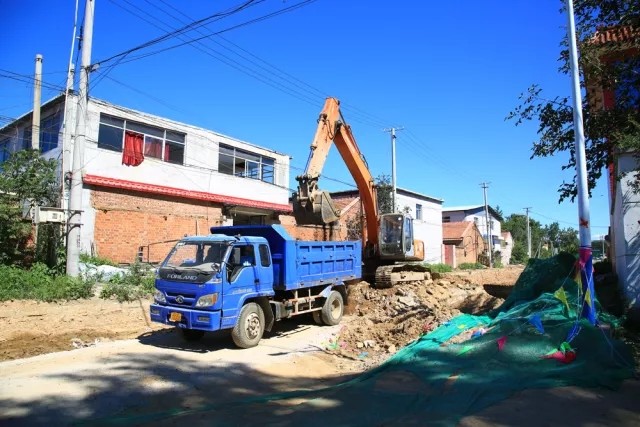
pixel 132 154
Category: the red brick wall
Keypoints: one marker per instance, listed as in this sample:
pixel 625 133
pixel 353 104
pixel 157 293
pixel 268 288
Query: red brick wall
pixel 310 232
pixel 126 220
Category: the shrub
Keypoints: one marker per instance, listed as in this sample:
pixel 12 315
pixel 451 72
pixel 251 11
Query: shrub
pixel 40 283
pixel 439 268
pixel 471 266
pixel 136 283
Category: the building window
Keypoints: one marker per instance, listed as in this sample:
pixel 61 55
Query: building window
pixel 159 143
pixel 49 133
pixel 446 219
pixel 4 150
pixel 241 163
pixel 418 211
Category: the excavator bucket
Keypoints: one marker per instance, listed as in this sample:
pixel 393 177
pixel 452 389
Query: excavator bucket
pixel 317 209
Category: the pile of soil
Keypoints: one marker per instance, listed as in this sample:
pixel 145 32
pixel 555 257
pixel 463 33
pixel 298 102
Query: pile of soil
pixel 382 321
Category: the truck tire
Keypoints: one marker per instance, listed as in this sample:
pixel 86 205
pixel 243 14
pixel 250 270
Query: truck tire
pixel 317 317
pixel 333 309
pixel 192 335
pixel 249 327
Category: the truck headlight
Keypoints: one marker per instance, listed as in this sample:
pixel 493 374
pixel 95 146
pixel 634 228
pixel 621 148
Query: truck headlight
pixel 159 297
pixel 207 300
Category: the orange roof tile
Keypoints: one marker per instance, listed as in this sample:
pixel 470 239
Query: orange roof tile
pixel 455 230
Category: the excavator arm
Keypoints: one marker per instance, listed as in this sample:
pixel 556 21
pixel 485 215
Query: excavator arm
pixel 314 206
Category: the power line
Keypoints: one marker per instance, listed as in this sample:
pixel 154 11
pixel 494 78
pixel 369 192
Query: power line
pixel 179 31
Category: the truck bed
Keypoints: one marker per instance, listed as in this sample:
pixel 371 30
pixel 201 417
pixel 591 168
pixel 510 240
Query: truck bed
pixel 301 264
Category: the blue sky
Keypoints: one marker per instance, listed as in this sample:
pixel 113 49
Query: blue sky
pixel 448 72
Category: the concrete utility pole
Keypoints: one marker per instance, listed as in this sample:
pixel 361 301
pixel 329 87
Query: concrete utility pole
pixel 484 186
pixel 393 163
pixel 528 234
pixel 37 93
pixel 75 196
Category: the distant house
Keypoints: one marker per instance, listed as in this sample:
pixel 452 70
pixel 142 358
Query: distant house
pixel 620 44
pixel 148 180
pixel 463 243
pixel 507 247
pixel 476 214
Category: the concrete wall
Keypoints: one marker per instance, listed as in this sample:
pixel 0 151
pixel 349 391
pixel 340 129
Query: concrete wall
pixel 626 233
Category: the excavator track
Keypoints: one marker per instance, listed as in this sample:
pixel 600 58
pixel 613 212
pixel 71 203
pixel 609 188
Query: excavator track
pixel 388 276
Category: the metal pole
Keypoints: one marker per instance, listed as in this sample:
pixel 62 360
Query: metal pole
pixel 393 165
pixel 488 223
pixel 586 257
pixel 37 92
pixel 75 196
pixel 393 168
pixel 528 234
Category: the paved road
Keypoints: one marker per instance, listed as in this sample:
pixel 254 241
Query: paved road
pixel 156 372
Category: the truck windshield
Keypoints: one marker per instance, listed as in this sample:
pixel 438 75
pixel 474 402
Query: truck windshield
pixel 205 256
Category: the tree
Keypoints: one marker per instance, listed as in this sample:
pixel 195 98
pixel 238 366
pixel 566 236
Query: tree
pixel 516 224
pixel 384 194
pixel 26 179
pixel 605 130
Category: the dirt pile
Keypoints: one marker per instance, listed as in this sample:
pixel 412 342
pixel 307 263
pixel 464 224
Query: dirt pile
pixel 384 320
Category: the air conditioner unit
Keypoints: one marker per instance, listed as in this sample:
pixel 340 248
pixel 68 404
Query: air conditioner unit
pixel 47 214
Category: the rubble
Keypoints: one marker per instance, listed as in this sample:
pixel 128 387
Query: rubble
pixel 383 321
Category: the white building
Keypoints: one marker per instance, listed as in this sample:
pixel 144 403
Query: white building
pixel 187 179
pixel 624 234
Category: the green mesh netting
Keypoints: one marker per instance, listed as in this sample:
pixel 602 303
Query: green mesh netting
pixel 437 380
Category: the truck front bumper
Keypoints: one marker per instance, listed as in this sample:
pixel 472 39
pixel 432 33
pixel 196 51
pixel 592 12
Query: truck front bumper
pixel 185 317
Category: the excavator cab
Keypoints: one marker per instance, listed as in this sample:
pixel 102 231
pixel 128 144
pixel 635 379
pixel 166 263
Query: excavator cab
pixel 396 236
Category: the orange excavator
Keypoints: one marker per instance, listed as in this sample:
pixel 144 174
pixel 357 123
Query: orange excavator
pixel 387 239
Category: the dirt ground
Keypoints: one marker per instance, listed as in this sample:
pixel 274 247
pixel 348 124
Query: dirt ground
pixel 378 322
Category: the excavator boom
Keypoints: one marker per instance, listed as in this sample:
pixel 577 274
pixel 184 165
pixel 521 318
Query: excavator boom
pixel 314 206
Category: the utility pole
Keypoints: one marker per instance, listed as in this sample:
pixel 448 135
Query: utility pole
pixel 75 196
pixel 528 234
pixel 393 164
pixel 37 93
pixel 584 217
pixel 484 186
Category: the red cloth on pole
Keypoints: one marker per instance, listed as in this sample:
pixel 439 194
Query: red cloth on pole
pixel 132 154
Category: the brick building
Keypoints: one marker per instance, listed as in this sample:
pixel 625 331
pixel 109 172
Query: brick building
pixel 463 243
pixel 180 179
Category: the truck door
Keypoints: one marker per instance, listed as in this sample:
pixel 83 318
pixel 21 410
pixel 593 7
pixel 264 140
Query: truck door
pixel 264 269
pixel 240 278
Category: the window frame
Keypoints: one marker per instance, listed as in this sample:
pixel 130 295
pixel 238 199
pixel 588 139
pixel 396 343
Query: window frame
pixel 246 164
pixel 167 137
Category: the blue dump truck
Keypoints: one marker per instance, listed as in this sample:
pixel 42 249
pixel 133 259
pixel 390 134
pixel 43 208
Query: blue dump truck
pixel 244 278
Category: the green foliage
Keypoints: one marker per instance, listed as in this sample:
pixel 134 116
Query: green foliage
pixel 40 283
pixel 96 260
pixel 471 266
pixel 135 284
pixel 384 193
pixel 26 179
pixel 605 130
pixel 439 268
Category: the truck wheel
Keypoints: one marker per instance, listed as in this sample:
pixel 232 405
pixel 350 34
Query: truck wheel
pixel 332 309
pixel 192 335
pixel 249 327
pixel 317 317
